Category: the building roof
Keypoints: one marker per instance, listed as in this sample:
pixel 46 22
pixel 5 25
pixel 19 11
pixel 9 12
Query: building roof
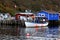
pixel 51 11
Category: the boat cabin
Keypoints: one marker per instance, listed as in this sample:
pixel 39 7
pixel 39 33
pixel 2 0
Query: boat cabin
pixel 23 16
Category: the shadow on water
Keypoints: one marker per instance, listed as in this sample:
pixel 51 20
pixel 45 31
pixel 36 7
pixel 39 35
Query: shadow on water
pixel 53 31
pixel 53 27
pixel 13 30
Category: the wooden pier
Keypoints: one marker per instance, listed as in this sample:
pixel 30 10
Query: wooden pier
pixel 9 22
pixel 21 23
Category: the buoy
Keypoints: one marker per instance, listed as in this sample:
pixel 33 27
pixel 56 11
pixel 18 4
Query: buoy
pixel 27 35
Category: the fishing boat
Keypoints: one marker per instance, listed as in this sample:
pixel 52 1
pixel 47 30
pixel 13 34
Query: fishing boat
pixel 29 19
pixel 37 21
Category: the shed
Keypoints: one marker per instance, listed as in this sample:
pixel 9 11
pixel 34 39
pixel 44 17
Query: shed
pixel 49 15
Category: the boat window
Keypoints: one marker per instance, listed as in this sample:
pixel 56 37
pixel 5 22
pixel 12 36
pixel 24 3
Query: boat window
pixel 42 15
pixel 39 19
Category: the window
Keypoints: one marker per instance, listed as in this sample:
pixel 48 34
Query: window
pixel 43 15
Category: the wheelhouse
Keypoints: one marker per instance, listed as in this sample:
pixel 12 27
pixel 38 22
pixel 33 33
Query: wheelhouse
pixel 38 19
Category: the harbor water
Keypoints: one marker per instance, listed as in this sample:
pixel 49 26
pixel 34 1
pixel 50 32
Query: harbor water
pixel 17 33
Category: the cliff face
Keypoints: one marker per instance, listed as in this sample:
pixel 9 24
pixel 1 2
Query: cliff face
pixel 13 6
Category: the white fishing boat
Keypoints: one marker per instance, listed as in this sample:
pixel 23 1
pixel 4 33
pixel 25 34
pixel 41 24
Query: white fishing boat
pixel 32 20
pixel 31 24
pixel 38 21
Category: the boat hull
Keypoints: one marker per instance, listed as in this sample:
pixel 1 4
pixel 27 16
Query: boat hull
pixel 31 24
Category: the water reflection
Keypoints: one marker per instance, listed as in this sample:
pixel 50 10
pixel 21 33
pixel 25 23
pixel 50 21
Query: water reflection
pixel 52 32
pixel 9 29
pixel 40 32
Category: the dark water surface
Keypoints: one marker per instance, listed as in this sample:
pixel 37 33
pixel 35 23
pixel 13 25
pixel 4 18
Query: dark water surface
pixel 18 33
